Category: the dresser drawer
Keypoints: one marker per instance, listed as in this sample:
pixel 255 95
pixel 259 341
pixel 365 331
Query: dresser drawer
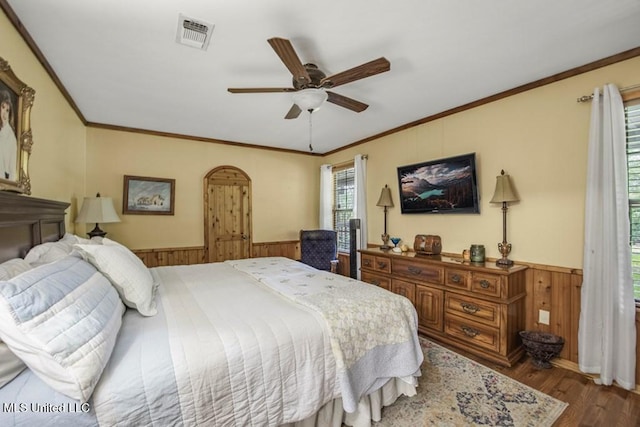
pixel 473 309
pixel 486 284
pixel 374 279
pixel 474 333
pixel 377 263
pixel 459 279
pixel 422 272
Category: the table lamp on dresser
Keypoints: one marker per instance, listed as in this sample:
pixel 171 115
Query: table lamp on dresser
pixel 385 202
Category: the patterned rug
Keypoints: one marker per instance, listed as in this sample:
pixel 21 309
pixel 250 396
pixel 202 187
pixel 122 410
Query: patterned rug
pixel 457 391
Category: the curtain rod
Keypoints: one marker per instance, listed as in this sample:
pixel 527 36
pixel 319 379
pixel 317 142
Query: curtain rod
pixel 348 162
pixel 587 98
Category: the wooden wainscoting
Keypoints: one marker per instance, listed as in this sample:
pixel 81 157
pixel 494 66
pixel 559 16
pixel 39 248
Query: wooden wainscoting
pixel 195 255
pixel 558 290
pixel 289 249
pixel 171 256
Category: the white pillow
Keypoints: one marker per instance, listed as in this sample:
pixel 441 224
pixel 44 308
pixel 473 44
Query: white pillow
pixel 126 272
pixel 45 253
pixel 10 364
pixel 13 267
pixel 107 241
pixel 62 320
pixel 73 239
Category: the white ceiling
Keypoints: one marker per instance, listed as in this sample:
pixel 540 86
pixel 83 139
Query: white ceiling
pixel 120 63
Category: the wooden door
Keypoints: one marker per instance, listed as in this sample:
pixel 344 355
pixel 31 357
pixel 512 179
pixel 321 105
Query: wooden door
pixel 227 204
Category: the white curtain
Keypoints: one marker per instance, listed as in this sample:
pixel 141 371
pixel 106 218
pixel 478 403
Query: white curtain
pixel 360 204
pixel 607 334
pixel 326 198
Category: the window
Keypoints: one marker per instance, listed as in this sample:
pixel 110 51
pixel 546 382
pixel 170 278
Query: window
pixel 632 119
pixel 344 180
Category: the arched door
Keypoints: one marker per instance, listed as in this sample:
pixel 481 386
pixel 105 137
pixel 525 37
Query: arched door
pixel 227 214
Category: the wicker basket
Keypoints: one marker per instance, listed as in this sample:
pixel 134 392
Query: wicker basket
pixel 541 347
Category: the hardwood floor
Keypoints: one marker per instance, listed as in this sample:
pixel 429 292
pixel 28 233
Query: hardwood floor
pixel 589 404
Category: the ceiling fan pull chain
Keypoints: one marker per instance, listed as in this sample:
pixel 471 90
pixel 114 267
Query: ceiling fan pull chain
pixel 310 131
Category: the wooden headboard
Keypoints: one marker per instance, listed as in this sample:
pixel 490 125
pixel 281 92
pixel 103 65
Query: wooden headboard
pixel 27 221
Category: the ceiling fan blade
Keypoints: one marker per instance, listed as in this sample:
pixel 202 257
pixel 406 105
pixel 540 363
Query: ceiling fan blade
pixel 261 89
pixel 294 112
pixel 346 102
pixel 288 56
pixel 368 69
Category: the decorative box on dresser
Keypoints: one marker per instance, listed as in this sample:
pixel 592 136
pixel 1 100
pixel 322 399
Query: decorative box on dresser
pixel 478 307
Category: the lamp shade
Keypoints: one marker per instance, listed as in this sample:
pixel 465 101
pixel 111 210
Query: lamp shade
pixel 309 99
pixel 385 198
pixel 97 209
pixel 504 191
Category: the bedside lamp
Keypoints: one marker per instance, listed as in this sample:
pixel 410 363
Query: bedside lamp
pixel 385 202
pixel 504 193
pixel 95 210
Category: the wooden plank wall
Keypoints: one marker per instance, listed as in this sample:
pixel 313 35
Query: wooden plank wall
pixel 171 256
pixel 551 288
pixel 289 249
pixel 558 293
pixel 195 255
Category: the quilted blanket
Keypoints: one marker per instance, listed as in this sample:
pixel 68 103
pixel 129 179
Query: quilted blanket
pixel 373 331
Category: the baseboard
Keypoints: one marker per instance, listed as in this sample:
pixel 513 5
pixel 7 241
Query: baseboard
pixel 572 366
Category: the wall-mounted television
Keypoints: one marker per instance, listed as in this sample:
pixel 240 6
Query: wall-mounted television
pixel 440 186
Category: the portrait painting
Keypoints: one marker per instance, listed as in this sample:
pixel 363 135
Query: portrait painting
pixel 8 139
pixel 16 100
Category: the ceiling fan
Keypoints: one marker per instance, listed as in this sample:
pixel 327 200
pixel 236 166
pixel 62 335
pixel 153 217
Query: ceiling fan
pixel 310 84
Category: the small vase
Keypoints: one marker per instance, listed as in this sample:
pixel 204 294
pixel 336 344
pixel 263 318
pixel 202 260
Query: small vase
pixel 385 241
pixel 477 253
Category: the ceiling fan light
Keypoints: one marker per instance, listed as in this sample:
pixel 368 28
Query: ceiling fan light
pixel 309 99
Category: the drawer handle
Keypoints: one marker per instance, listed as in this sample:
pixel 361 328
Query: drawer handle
pixel 484 284
pixel 375 282
pixel 456 278
pixel 414 270
pixel 367 262
pixel 469 308
pixel 470 332
pixel 382 264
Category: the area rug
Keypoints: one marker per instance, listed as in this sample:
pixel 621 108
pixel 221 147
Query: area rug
pixel 457 391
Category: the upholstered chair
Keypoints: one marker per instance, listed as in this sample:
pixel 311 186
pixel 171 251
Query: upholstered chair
pixel 319 249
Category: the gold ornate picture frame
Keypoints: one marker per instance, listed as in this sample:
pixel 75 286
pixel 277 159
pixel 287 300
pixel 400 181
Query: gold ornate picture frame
pixel 16 100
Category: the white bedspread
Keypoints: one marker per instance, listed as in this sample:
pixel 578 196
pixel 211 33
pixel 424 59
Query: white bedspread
pixel 241 366
pixel 226 349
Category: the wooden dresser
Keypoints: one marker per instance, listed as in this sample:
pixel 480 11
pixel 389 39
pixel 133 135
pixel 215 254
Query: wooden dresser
pixel 477 307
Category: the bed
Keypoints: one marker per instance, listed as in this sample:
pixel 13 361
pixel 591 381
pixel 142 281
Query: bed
pixel 264 341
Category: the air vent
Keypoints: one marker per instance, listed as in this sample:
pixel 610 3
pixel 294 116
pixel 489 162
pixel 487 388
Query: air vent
pixel 193 32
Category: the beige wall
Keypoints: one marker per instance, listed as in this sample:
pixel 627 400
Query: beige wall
pixel 539 137
pixel 284 186
pixel 57 162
